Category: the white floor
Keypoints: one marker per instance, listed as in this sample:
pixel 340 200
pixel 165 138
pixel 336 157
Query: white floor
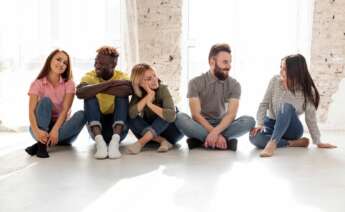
pixel 180 180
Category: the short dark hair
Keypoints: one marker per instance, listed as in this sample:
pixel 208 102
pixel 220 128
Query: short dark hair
pixel 219 47
pixel 108 50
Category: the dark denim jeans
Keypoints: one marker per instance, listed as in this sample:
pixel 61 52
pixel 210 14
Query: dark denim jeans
pixel 139 126
pixel 107 122
pixel 193 129
pixel 69 130
pixel 287 126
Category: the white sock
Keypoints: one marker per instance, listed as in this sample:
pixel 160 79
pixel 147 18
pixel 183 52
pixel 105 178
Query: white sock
pixel 113 150
pixel 101 147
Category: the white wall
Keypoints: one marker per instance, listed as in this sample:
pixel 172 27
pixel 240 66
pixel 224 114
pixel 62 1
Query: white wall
pixel 336 113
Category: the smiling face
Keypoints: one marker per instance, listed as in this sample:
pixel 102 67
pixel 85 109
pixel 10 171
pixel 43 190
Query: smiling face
pixel 104 65
pixel 221 65
pixel 150 79
pixel 59 63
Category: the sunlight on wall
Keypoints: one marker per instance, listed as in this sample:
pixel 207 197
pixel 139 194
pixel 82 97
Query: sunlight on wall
pixel 260 34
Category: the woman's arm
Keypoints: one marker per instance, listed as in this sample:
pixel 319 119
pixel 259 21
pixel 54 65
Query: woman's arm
pixel 156 109
pixel 167 110
pixel 311 121
pixel 264 105
pixel 54 133
pixel 40 135
pixel 136 105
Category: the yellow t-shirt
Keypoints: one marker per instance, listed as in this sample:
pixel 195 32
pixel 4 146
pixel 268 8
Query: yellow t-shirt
pixel 105 101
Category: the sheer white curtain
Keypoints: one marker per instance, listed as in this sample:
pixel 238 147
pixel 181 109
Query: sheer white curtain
pixel 130 33
pixel 259 32
pixel 31 29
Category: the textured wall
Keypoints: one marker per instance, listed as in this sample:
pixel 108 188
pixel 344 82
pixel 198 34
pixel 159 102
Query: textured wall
pixel 328 50
pixel 159 32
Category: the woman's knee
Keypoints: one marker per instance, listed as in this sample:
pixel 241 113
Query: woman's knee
pixel 45 102
pixel 80 116
pixel 257 142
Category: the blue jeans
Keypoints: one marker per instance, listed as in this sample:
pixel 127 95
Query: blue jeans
pixel 287 126
pixel 68 131
pixel 193 129
pixel 157 126
pixel 106 122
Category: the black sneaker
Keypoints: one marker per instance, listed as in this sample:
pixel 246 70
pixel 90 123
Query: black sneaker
pixel 63 144
pixel 42 150
pixel 232 144
pixel 32 150
pixel 193 143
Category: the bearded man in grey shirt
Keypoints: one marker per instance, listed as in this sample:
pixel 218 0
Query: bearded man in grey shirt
pixel 213 100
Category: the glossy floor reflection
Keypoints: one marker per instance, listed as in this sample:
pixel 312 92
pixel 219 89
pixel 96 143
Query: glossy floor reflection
pixel 295 179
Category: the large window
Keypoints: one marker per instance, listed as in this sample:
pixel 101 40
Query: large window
pixel 260 34
pixel 31 29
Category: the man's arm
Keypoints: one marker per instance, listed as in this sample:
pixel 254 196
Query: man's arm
pixel 229 117
pixel 215 138
pixel 195 109
pixel 119 88
pixel 85 90
pixel 113 87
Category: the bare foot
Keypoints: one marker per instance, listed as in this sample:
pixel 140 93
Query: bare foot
pixel 134 148
pixel 269 149
pixel 158 139
pixel 165 146
pixel 302 142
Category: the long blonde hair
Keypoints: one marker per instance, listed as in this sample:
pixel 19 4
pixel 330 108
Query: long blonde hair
pixel 137 74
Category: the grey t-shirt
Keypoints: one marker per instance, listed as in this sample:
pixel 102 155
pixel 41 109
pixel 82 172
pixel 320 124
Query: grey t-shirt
pixel 214 94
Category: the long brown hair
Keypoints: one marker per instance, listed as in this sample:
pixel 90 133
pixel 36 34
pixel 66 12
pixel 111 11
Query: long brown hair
pixel 66 75
pixel 298 77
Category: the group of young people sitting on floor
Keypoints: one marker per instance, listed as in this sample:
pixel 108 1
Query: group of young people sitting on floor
pixel 152 116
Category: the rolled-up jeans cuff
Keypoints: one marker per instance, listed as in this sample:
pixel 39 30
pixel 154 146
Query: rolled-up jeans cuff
pixel 120 123
pixel 149 129
pixel 92 124
pixel 95 123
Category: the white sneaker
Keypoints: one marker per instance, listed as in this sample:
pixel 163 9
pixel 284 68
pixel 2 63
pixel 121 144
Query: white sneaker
pixel 101 147
pixel 113 149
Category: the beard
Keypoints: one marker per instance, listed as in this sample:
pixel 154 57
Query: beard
pixel 219 73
